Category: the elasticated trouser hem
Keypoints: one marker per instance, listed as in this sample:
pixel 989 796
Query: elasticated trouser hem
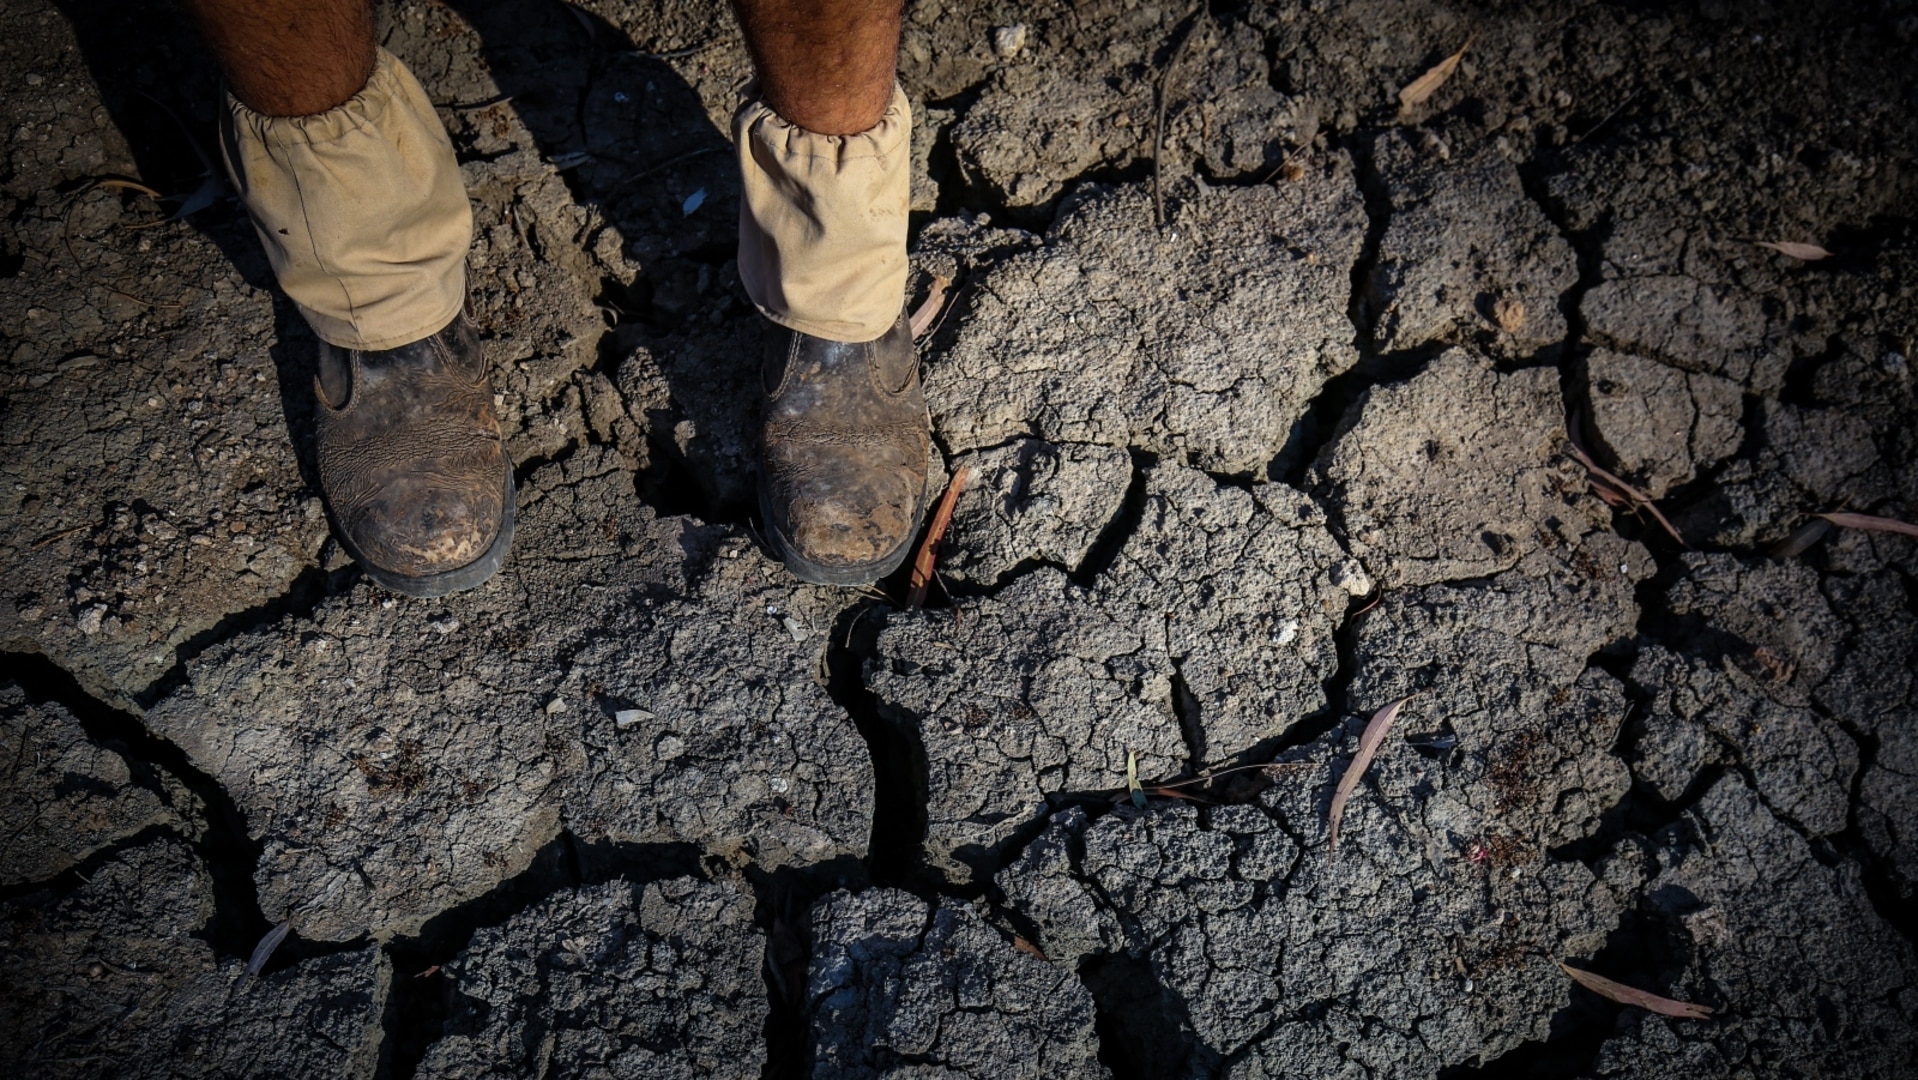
pixel 364 216
pixel 822 220
pixel 361 209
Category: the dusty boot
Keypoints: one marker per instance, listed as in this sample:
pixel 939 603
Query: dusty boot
pixel 412 464
pixel 842 454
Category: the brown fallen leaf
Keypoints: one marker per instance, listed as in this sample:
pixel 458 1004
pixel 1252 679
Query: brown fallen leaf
pixel 115 184
pixel 1869 523
pixel 1375 731
pixel 928 557
pixel 1801 252
pixel 929 308
pixel 1029 948
pixel 1777 667
pixel 1801 539
pixel 1627 995
pixel 1423 87
pixel 1509 313
pixel 262 953
pixel 1610 495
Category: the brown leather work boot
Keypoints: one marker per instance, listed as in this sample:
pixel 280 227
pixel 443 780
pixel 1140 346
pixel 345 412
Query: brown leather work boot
pixel 412 464
pixel 842 454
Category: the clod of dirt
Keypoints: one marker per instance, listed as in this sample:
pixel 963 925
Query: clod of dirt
pixel 1209 633
pixel 1874 688
pixel 1206 340
pixel 1822 992
pixel 694 394
pixel 1082 96
pixel 611 980
pixel 1037 690
pixel 1690 325
pixel 531 284
pixel 1287 963
pixel 1503 692
pixel 1456 473
pixel 1769 617
pixel 398 757
pixel 1802 765
pixel 1464 245
pixel 1663 425
pixel 148 486
pixel 1031 500
pixel 1851 444
pixel 901 985
pixel 1276 958
pixel 115 973
pixel 63 796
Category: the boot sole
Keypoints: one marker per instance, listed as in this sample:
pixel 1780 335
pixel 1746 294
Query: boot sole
pixel 471 576
pixel 819 574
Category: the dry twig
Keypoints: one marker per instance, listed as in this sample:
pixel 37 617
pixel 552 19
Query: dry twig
pixel 928 558
pixel 1158 118
pixel 1616 491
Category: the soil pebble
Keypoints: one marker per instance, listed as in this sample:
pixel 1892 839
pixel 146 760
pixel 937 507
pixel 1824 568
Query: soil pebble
pixel 1174 336
pixel 65 796
pixel 611 980
pixel 903 986
pixel 341 734
pixel 1457 472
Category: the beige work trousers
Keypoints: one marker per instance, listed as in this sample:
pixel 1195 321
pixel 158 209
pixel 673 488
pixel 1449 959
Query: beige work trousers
pixel 361 209
pixel 365 220
pixel 822 220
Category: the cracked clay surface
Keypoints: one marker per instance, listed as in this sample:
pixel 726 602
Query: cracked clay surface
pixel 1239 478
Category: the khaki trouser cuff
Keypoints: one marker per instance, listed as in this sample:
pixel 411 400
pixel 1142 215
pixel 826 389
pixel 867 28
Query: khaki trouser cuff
pixel 361 209
pixel 822 220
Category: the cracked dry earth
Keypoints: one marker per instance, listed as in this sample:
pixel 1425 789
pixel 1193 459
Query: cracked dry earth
pixel 645 806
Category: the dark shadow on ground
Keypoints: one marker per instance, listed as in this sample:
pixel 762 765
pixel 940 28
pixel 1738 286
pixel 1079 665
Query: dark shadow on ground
pixel 641 138
pixel 163 92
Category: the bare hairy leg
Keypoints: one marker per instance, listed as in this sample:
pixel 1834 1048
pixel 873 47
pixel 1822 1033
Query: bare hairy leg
pixel 824 65
pixel 289 57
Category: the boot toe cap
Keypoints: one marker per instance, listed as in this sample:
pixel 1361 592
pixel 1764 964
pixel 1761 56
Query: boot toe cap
pixel 851 529
pixel 421 526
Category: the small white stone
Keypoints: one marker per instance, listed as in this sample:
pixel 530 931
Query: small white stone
pixel 1351 577
pixel 628 717
pixel 556 706
pixel 781 785
pixel 1286 632
pixel 1009 41
pixel 89 620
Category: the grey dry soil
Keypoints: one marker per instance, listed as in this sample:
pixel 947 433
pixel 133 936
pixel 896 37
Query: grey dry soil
pixel 644 805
